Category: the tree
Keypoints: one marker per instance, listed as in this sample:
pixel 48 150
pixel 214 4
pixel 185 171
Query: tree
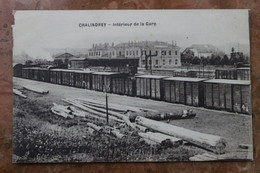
pixel 225 61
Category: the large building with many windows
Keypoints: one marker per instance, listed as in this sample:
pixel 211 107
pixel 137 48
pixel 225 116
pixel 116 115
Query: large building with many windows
pixel 151 53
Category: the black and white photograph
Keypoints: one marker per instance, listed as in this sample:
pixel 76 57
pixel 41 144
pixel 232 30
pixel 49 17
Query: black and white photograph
pixel 131 86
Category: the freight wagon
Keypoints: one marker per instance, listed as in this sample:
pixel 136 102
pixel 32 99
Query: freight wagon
pixel 226 74
pixel 123 85
pixel 243 73
pixel 17 70
pixel 56 76
pixel 68 77
pixel 44 75
pixel 102 81
pixel 182 90
pixel 150 86
pixel 203 73
pixel 229 95
pixel 83 79
pixel 221 94
pixel 26 73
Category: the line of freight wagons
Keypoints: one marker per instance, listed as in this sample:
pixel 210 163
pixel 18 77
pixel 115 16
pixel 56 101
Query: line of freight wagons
pixel 220 94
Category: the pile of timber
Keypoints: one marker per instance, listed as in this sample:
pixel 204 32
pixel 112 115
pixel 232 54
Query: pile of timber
pixel 19 93
pixel 98 109
pixel 116 107
pixel 35 89
pixel 92 111
pixel 210 142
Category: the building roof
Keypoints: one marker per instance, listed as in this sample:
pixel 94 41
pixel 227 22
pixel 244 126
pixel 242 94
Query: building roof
pixel 203 48
pixel 104 46
pixel 146 44
pixel 188 79
pixel 62 54
pixel 78 59
pixel 110 58
pixel 227 81
pixel 152 76
pixel 16 64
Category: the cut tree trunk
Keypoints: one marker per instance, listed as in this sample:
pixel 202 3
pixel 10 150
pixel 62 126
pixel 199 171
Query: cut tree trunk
pixel 19 93
pixel 214 143
pixel 37 90
pixel 95 127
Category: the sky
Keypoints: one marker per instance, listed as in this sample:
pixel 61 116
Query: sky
pixel 34 31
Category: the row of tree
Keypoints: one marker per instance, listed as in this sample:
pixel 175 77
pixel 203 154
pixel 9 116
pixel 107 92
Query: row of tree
pixel 235 59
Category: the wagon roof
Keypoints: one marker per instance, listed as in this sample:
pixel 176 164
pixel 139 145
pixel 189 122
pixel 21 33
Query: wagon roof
pixel 188 79
pixel 106 73
pixel 152 76
pixel 243 68
pixel 32 68
pixel 227 81
pixel 81 71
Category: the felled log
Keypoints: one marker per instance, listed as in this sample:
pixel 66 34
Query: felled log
pixel 35 89
pixel 163 137
pixel 19 93
pixel 104 111
pixel 61 112
pixel 117 133
pixel 157 116
pixel 79 105
pixel 140 128
pixel 150 138
pixel 149 142
pixel 156 137
pixel 95 127
pixel 204 157
pixel 214 143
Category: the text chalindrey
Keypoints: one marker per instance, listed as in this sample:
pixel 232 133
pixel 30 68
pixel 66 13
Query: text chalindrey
pixel 117 24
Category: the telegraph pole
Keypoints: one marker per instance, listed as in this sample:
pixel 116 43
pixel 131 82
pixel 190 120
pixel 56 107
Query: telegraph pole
pixel 150 55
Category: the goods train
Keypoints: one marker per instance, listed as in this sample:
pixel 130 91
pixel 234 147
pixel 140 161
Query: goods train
pixel 220 94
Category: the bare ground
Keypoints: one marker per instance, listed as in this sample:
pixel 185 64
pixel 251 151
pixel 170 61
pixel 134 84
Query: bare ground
pixel 40 136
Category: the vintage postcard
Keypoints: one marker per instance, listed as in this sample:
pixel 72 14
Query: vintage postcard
pixel 131 86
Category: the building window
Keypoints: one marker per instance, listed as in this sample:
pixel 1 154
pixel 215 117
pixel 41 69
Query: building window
pixel 170 52
pixel 137 52
pixel 163 52
pixel 176 52
pixel 126 52
pixel 119 53
pixel 170 61
pixel 176 61
pixel 156 62
pixel 163 61
pixel 133 52
pixel 130 52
